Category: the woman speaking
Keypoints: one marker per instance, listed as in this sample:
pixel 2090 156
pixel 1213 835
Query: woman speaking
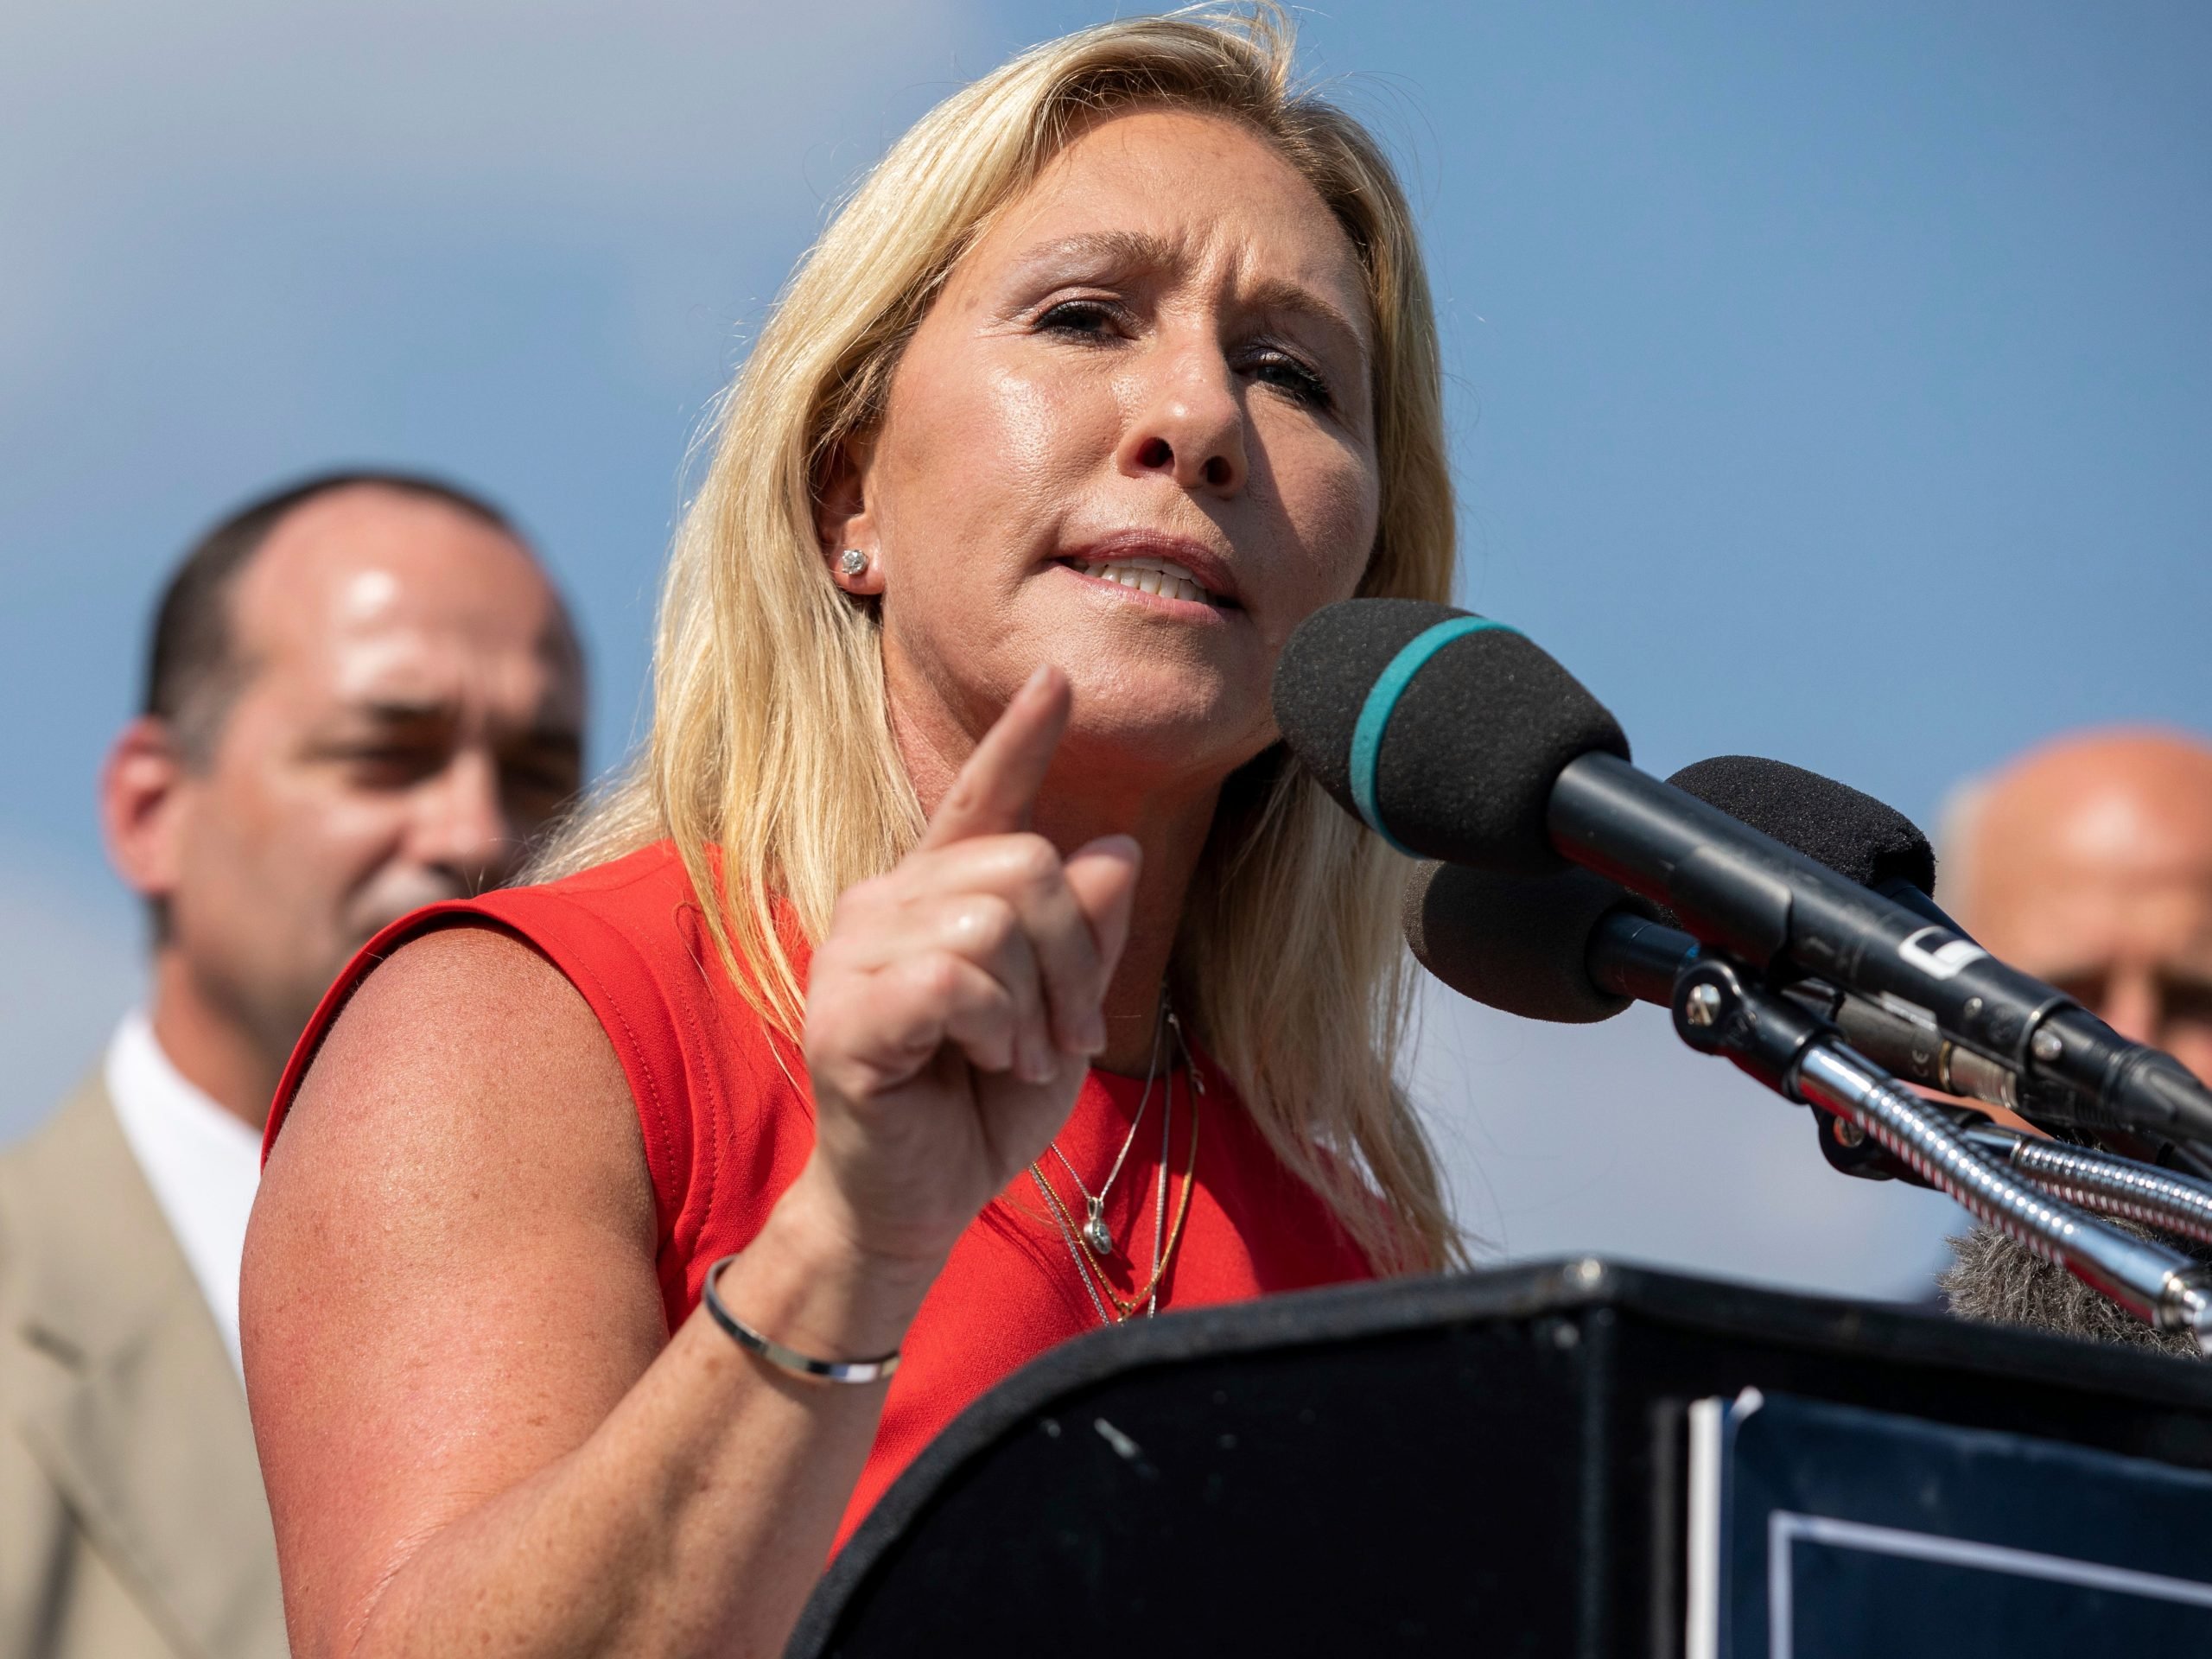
pixel 964 966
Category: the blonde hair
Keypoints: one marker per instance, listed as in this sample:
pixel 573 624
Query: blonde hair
pixel 771 762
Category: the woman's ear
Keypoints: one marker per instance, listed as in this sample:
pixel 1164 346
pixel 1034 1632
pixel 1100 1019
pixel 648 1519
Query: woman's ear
pixel 845 526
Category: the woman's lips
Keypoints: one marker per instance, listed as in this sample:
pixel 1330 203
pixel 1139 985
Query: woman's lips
pixel 1147 574
pixel 1192 572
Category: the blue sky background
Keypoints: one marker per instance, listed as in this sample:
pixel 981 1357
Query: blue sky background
pixel 1832 383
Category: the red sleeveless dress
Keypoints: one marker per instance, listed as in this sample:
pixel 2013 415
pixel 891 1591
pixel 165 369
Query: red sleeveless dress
pixel 728 1121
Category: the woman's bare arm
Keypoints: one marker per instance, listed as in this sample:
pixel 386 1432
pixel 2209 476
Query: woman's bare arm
pixel 474 1435
pixel 473 1439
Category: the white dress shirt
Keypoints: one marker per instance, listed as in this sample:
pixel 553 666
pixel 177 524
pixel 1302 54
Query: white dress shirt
pixel 202 1162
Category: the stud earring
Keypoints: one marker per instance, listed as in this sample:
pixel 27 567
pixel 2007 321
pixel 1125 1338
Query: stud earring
pixel 852 563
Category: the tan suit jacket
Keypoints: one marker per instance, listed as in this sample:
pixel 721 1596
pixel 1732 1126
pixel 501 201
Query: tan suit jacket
pixel 132 1516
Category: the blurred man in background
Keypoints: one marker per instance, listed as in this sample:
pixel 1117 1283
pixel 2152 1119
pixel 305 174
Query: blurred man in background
pixel 2088 863
pixel 364 696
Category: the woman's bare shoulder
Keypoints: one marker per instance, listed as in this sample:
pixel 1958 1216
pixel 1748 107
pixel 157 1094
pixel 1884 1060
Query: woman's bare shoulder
pixel 445 994
pixel 467 1053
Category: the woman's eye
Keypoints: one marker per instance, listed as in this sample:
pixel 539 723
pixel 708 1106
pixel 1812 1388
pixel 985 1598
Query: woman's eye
pixel 1089 318
pixel 1280 369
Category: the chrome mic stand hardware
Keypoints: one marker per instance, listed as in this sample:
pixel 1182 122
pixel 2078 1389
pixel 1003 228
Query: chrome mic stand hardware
pixel 1719 1011
pixel 2090 1177
pixel 2109 1185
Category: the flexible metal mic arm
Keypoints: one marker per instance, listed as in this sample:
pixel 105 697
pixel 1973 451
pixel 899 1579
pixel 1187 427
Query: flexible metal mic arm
pixel 2103 1181
pixel 1720 1008
pixel 2090 1177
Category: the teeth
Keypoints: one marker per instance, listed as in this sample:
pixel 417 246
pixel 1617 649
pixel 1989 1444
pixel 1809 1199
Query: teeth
pixel 1150 575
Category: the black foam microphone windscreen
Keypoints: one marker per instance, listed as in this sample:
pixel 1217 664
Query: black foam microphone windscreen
pixel 1518 943
pixel 1441 730
pixel 1858 837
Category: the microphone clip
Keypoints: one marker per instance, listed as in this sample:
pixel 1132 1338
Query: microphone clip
pixel 1716 1012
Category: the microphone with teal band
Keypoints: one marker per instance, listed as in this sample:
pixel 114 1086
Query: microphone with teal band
pixel 1375 713
pixel 1440 730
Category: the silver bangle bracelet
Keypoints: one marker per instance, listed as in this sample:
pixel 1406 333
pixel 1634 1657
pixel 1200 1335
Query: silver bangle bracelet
pixel 790 1359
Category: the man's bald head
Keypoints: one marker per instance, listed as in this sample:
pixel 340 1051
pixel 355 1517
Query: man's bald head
pixel 2088 862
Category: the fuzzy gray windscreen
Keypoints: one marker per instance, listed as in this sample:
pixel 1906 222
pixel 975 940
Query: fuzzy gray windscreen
pixel 1997 1279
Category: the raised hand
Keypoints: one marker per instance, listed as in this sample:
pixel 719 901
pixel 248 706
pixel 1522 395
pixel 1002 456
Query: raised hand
pixel 954 1006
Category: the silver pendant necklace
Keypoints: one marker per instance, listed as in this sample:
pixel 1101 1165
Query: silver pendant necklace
pixel 1096 1233
pixel 1083 1269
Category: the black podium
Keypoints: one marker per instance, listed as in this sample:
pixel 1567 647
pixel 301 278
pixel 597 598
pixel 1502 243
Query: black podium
pixel 1512 1463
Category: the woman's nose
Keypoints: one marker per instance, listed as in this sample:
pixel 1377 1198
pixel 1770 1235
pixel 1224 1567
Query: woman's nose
pixel 1191 428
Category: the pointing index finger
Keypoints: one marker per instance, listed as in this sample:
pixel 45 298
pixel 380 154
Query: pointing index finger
pixel 995 790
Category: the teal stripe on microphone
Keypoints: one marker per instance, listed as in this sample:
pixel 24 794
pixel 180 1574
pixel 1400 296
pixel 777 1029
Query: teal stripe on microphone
pixel 1382 701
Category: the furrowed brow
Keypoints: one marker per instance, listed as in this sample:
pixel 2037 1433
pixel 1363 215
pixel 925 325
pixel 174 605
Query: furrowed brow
pixel 1107 252
pixel 1299 301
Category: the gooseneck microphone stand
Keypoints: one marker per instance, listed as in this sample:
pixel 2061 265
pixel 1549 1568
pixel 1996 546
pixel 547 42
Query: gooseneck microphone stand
pixel 1721 1007
pixel 2097 1180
